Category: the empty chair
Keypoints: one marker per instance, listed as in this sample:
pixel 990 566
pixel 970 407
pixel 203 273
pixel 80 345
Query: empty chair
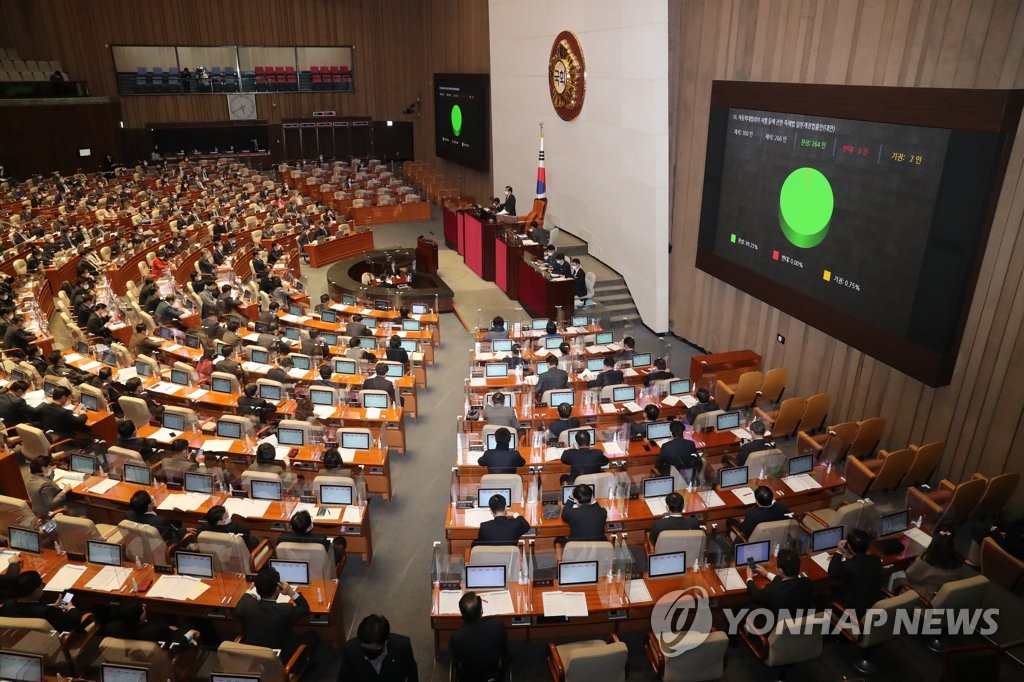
pixel 76 531
pixel 321 562
pixel 73 646
pixel 743 394
pixel 881 630
pixel 513 482
pixel 869 433
pixel 602 483
pixel 707 421
pixel 690 541
pixel 144 541
pixel 1000 566
pixel 948 502
pixel 190 370
pixel 782 533
pixel 790 642
pixel 704 662
pixel 322 480
pixel 607 392
pixel 770 462
pixel 15 512
pixel 588 550
pixel 235 657
pixel 362 394
pixel 773 386
pixel 231 554
pixel 34 442
pixel 926 461
pixel 818 443
pixel 783 423
pixel 593 659
pixel 998 491
pixel 817 409
pixel 882 473
pixel 507 556
pixel 340 434
pixel 954 596
pixel 136 410
pixel 859 514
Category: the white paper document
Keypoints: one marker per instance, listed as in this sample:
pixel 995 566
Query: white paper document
pixel 638 592
pixel 730 579
pixel 65 578
pixel 656 505
pixel 90 366
pixel 478 381
pixel 671 400
pixel 632 406
pixel 257 367
pixel 448 603
pixel 186 502
pixel 629 372
pixel 742 434
pixel 126 373
pixel 372 413
pixel 918 536
pixel 474 517
pixel 745 495
pixel 34 398
pixel 323 411
pixel 297 373
pixel 498 603
pixel 609 408
pixel 103 486
pixel 568 604
pixel 288 317
pixel 165 388
pixel 553 454
pixel 612 449
pixel 347 455
pixel 353 514
pixel 177 587
pixel 197 394
pixel 711 499
pixel 73 357
pixel 822 559
pixel 217 444
pixel 109 579
pixel 689 401
pixel 246 508
pixel 164 435
pixel 801 482
pixel 5 559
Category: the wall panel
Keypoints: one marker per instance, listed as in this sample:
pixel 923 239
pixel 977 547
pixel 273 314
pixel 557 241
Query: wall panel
pixel 908 43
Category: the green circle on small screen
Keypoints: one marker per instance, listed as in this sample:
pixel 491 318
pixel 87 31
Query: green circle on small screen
pixel 805 207
pixel 457 120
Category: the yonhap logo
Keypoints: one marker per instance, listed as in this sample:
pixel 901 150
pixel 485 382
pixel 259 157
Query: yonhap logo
pixel 681 620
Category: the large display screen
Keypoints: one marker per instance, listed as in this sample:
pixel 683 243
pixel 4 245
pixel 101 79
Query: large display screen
pixel 862 219
pixel 462 119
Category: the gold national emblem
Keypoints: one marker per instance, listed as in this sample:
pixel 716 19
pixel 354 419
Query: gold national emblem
pixel 566 76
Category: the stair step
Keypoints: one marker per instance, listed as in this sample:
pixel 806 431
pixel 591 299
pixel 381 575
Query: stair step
pixel 618 298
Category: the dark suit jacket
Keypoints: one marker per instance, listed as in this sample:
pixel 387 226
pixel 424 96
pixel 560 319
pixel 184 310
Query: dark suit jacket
pixel 556 427
pixel 14 410
pixel 168 531
pixel 757 515
pixel 502 530
pixel 399 663
pixel 861 577
pixel 580 283
pixel 789 594
pixel 501 461
pixel 478 647
pixel 608 377
pixel 554 378
pixel 269 624
pixel 583 461
pixel 377 383
pixel 62 621
pixel 698 409
pixel 356 329
pixel 680 453
pixel 55 418
pixel 586 522
pixel 675 523
pixel 657 375
pixel 747 449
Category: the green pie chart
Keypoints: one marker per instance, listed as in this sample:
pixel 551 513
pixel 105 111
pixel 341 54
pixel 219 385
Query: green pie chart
pixel 805 207
pixel 457 120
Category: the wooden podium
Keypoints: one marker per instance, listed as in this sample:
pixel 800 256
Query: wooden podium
pixel 426 255
pixel 727 367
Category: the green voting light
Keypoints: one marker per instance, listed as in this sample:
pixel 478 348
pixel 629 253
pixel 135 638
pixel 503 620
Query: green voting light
pixel 805 207
pixel 457 120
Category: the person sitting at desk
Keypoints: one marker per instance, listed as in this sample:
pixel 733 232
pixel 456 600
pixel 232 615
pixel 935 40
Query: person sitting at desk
pixel 703 405
pixel 788 592
pixel 266 460
pixel 13 408
pixel 166 311
pixel 579 277
pixel 679 453
pixel 96 325
pixel 660 372
pixel 140 343
pixel 131 620
pixel 302 531
pixel 609 376
pixel 44 495
pixel 228 364
pixel 767 509
pixel 324 304
pixel 561 267
pixel 503 459
pixel 582 459
pixel 537 233
pixel 357 352
pixel 859 573
pixel 325 372
pixel 54 416
pixel 375 654
pixel 251 404
pixel 585 517
pixel 380 382
pixel 628 350
pixel 16 336
pixel 478 647
pixel 564 421
pixel 269 623
pixel 551 380
pixel 230 336
pixel 29 604
pixel 674 520
pixel 269 316
pixel 217 520
pixel 127 437
pixel 639 429
pixel 503 528
pixel 939 564
pixel 143 510
pixel 500 414
pixel 516 360
pixel 355 327
pixel 226 303
pixel 395 352
pixel 759 443
pixel 497 329
pixel 333 463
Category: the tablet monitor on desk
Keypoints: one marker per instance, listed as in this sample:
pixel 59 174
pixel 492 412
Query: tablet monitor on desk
pixel 24 539
pixel 265 490
pixel 83 464
pixel 292 333
pixel 227 429
pixel 727 421
pixel 381 304
pixel 659 430
pixel 496 370
pixel 623 394
pixel 756 551
pixel 261 327
pixel 270 392
pixel 142 369
pixel 198 483
pixel 173 421
pixel 349 300
pixel 193 341
pixel 642 360
pixel 367 342
pixel 501 346
pixel 553 342
pixel 166 333
pixel 82 348
pixel 49 387
pixel 556 398
pixel 484 495
pixel 410 345
pixel 321 396
pixel 679 387
pixel 90 402
pixel 343 366
pixel 137 474
pixel 21 667
pixel 302 362
pixel 294 309
pixel 291 437
pixel 666 564
pixel 801 464
pixel 109 358
pixel 17 375
pixel 580 321
pixel 220 385
pixel 604 338
pixel 658 486
pixel 410 325
pixel 376 400
pixel 567 493
pixel 329 338
pixel 420 309
pixel 370 322
pixel 237 320
pixel 291 572
pixel 179 377
pixel 396 370
pixel 826 539
pixel 105 553
pixel 335 494
pixel 595 364
pixel 733 477
pixel 110 672
pixel 194 564
pixel 542 367
pixel 328 316
pixel 486 577
pixel 577 573
pixel 894 523
pixel 540 323
pixel 355 440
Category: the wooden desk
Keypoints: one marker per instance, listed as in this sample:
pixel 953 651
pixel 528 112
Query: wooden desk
pixel 543 297
pixel 394 213
pixel 336 248
pixel 426 255
pixel 509 250
pixel 727 367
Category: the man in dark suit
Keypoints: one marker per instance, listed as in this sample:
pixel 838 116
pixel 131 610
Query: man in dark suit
pixel 639 429
pixel 142 510
pixel 497 329
pixel 509 205
pixel 675 519
pixel 380 382
pixel 859 572
pixel 703 405
pixel 562 267
pixel 609 376
pixel 128 438
pixel 583 459
pixel 259 266
pixel 53 416
pixel 502 459
pixel 551 380
pixel 500 414
pixel 564 421
pixel 267 623
pixel 377 655
pixel 767 509
pixel 13 408
pixel 786 592
pixel 503 529
pixel 29 604
pixel 747 449
pixel 249 403
pixel 478 647
pixel 680 453
pixel 355 327
pixel 585 517
pixel 579 279
pixel 660 372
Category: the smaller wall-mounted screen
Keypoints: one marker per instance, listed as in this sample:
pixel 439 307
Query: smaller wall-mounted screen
pixel 462 119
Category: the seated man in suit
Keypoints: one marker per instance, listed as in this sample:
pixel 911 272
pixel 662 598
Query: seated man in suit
pixel 674 520
pixel 132 621
pixel 703 405
pixel 660 372
pixel 551 380
pixel 585 517
pixel 127 437
pixel 639 429
pixel 497 329
pixel 503 459
pixel 395 352
pixel 478 647
pixel 44 495
pixel 500 414
pixel 54 416
pixel 787 592
pixel 680 453
pixel 579 281
pixel 564 421
pixel 217 520
pixel 143 510
pixel 767 509
pixel 13 408
pixel 859 573
pixel 302 531
pixel 268 623
pixel 747 449
pixel 504 528
pixel 377 655
pixel 249 403
pixel 583 459
pixel 29 603
pixel 380 382
pixel 609 376
pixel 229 365
pixel 355 326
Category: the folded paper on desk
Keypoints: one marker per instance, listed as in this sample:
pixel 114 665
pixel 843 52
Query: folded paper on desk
pixel 552 454
pixel 126 373
pixel 177 587
pixel 161 387
pixel 474 517
pixel 742 434
pixel 256 367
pixel 372 413
pixel 34 398
pixel 656 505
pixel 217 445
pixel 246 508
pixel 568 604
pixel 296 373
pixel 638 592
pixel 103 486
pixel 478 381
pixel 353 514
pixel 671 400
pixel 918 536
pixel 163 435
pixel 292 319
pixel 197 394
pixel 73 357
pixel 632 406
pixel 323 411
pixel 497 603
pixel 109 579
pixel 65 578
pixel 90 366
pixel 612 448
pixel 629 372
pixel 448 604
pixel 689 401
pixel 711 499
pixel 609 408
pixel 185 502
pixel 731 579
pixel 801 482
pixel 347 455
pixel 745 495
pixel 822 559
pixel 171 347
